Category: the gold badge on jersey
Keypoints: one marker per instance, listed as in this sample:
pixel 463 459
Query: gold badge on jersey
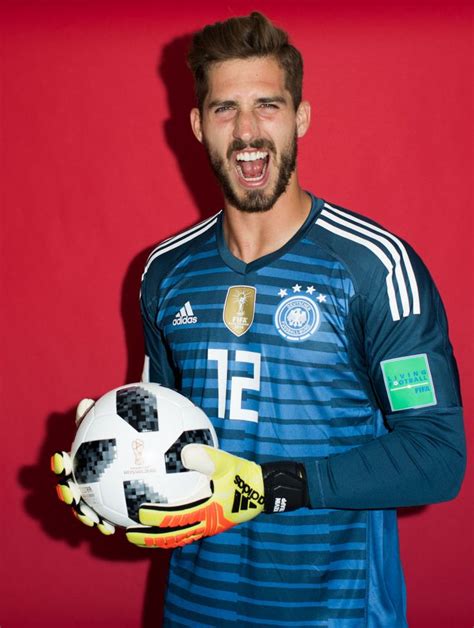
pixel 239 309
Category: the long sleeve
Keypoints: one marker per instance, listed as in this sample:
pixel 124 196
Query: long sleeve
pixel 408 370
pixel 158 361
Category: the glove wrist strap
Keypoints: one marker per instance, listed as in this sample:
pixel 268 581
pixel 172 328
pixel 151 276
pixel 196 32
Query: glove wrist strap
pixel 285 486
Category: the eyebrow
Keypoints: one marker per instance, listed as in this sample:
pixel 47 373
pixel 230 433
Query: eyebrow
pixel 259 101
pixel 279 99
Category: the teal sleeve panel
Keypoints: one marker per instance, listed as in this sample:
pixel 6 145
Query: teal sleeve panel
pixel 159 361
pixel 417 455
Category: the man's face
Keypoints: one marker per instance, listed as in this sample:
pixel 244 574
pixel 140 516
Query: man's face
pixel 250 128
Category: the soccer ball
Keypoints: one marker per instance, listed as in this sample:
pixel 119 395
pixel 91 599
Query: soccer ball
pixel 127 451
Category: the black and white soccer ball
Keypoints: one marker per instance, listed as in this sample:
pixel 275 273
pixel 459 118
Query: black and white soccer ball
pixel 127 451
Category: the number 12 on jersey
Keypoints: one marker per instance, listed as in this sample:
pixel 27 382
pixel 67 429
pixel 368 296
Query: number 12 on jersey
pixel 238 383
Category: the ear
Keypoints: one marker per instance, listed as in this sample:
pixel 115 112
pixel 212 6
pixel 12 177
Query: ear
pixel 303 118
pixel 195 117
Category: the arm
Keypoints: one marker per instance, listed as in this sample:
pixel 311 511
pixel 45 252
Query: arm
pixel 158 363
pixel 421 458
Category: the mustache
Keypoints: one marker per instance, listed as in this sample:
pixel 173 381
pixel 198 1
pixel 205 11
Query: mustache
pixel 258 144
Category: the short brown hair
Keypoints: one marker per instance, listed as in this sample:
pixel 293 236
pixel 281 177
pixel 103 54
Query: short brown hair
pixel 241 38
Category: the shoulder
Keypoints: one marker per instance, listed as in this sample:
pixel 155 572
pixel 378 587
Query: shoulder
pixel 167 254
pixel 379 261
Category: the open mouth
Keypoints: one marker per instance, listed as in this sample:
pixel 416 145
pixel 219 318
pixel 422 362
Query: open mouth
pixel 252 166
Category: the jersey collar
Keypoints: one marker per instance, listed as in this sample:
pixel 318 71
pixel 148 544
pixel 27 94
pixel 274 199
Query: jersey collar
pixel 241 267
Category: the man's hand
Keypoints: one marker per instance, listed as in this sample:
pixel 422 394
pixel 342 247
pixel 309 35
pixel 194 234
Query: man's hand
pixel 67 489
pixel 241 490
pixel 237 496
pixel 69 493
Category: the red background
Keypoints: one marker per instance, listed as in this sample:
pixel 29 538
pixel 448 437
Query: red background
pixel 99 163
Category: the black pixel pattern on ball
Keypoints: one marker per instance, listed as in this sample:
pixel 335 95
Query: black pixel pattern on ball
pixel 138 493
pixel 92 459
pixel 137 407
pixel 173 455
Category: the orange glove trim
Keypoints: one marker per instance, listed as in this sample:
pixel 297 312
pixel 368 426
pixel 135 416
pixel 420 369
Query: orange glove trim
pixel 212 515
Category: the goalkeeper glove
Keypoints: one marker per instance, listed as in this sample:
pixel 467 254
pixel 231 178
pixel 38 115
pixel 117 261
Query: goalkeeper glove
pixel 67 489
pixel 240 491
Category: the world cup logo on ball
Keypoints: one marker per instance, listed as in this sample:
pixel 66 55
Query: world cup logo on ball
pixel 138 446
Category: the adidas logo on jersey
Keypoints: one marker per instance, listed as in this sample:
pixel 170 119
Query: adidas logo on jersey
pixel 185 316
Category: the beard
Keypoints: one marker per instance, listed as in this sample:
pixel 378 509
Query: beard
pixel 253 201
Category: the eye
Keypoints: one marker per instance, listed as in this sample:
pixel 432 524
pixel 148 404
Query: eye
pixel 268 105
pixel 223 108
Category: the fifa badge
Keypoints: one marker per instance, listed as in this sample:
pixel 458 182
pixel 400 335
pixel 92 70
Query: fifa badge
pixel 239 309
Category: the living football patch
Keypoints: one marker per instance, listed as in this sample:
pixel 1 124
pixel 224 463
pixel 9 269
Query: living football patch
pixel 408 382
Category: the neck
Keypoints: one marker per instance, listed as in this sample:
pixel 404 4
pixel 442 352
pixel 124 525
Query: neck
pixel 250 236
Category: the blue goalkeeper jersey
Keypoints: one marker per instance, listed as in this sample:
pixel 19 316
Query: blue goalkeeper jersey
pixel 332 351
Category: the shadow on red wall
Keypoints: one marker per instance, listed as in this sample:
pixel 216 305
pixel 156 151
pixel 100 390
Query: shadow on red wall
pixel 190 155
pixel 196 174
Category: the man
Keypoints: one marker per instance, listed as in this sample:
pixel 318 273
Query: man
pixel 318 347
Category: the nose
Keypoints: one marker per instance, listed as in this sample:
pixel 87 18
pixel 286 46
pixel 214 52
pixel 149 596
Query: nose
pixel 246 126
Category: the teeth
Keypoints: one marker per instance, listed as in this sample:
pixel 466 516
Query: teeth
pixel 251 156
pixel 253 179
